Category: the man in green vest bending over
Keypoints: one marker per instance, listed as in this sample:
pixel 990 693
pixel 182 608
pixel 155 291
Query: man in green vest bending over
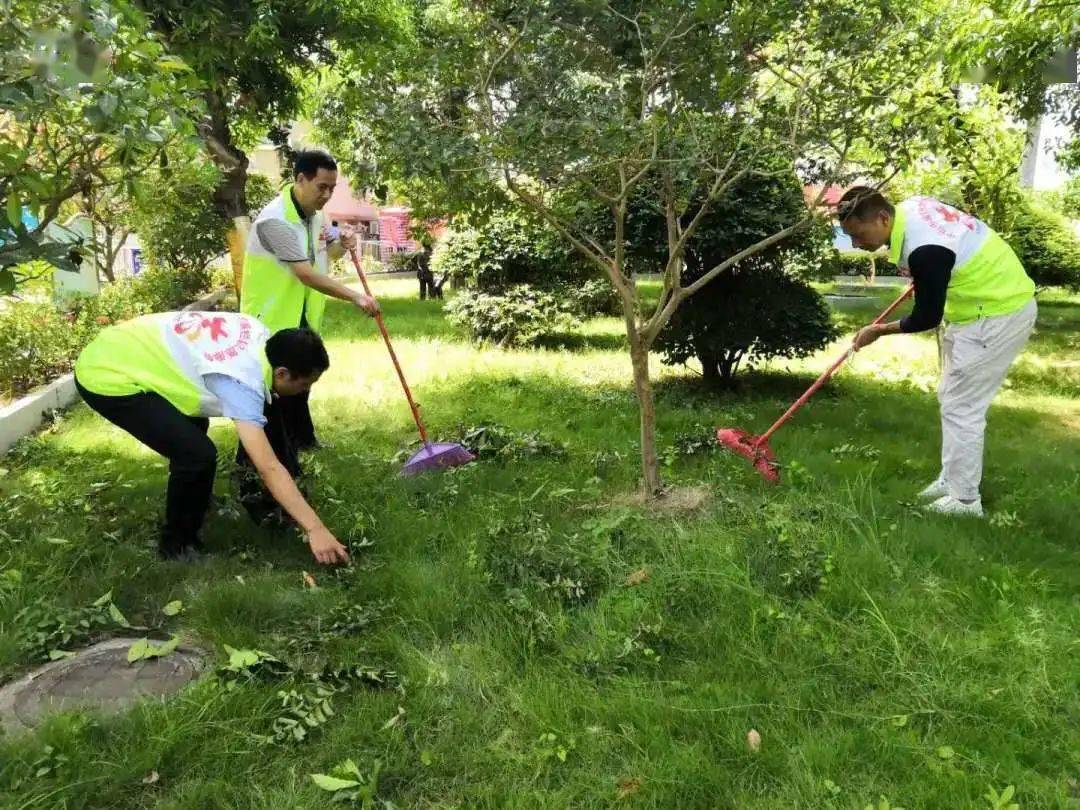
pixel 965 273
pixel 160 377
pixel 285 269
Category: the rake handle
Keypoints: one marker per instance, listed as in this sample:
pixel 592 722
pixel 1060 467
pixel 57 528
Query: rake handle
pixel 820 381
pixel 393 356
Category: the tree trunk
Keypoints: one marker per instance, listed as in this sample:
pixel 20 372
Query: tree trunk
pixel 230 197
pixel 111 249
pixel 237 239
pixel 650 464
pixel 710 368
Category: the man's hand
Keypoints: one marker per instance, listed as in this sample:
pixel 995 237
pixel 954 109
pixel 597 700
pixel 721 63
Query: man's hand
pixel 366 303
pixel 866 336
pixel 348 238
pixel 326 548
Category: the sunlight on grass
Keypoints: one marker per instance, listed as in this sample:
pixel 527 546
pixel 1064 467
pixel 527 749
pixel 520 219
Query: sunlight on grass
pixel 553 641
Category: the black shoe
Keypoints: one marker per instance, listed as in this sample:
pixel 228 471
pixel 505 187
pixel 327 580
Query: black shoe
pixel 173 546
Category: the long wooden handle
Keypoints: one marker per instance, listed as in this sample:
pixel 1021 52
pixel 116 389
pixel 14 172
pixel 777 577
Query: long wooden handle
pixel 393 356
pixel 820 381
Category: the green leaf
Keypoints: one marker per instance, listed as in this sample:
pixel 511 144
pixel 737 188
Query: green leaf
pixel 14 209
pixel 350 767
pixel 108 103
pixel 138 650
pixel 242 659
pixel 161 650
pixel 104 599
pixel 173 607
pixel 946 752
pixel 145 649
pixel 117 616
pixel 170 64
pixel 332 783
pixel 56 655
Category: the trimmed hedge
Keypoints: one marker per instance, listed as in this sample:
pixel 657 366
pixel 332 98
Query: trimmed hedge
pixel 522 315
pixel 1048 247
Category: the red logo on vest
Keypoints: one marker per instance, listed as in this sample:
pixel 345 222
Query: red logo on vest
pixel 200 328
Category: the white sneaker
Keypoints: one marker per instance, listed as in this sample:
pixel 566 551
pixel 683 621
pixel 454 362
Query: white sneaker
pixel 948 505
pixel 937 489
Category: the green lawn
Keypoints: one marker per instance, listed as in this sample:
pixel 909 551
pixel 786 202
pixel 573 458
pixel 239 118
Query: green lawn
pixel 879 652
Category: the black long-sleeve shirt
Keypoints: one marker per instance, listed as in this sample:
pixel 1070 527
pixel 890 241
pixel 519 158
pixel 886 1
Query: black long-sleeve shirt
pixel 931 269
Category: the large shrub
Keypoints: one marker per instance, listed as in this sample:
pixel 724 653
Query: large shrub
pixel 521 315
pixel 746 316
pixel 757 310
pixel 1048 247
pixel 1070 198
pixel 511 249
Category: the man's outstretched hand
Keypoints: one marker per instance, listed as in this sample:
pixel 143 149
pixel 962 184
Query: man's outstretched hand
pixel 326 548
pixel 866 336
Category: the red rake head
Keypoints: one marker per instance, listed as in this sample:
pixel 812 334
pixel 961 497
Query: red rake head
pixel 753 450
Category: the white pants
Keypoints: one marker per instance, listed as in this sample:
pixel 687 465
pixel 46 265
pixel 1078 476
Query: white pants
pixel 976 358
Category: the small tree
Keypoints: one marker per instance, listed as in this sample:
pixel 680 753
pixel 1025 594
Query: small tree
pixel 549 101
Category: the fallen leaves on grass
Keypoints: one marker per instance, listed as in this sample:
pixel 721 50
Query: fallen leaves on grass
pixel 144 649
pixel 638 577
pixel 628 786
pixel 753 741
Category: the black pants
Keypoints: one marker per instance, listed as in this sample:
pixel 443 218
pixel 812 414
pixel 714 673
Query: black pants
pixel 156 422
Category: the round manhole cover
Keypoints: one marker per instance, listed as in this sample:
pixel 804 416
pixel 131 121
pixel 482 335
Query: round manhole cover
pixel 99 678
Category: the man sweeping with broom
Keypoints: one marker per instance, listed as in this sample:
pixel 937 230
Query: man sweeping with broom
pixel 965 273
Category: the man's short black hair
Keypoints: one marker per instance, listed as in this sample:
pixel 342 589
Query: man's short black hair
pixel 300 351
pixel 862 203
pixel 308 162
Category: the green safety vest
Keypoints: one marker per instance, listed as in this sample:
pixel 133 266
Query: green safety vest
pixel 169 353
pixel 987 278
pixel 271 291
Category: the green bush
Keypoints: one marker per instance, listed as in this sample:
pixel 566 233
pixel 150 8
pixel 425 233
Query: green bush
pixel 1047 246
pixel 411 262
pixel 521 316
pixel 858 264
pixel 744 317
pixel 593 297
pixel 39 342
pixel 756 310
pixel 1070 198
pixel 511 249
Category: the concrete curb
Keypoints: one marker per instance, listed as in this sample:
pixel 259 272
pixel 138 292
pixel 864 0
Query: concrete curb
pixel 23 416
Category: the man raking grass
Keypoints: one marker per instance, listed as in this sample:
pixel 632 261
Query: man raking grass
pixel 160 377
pixel 965 273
